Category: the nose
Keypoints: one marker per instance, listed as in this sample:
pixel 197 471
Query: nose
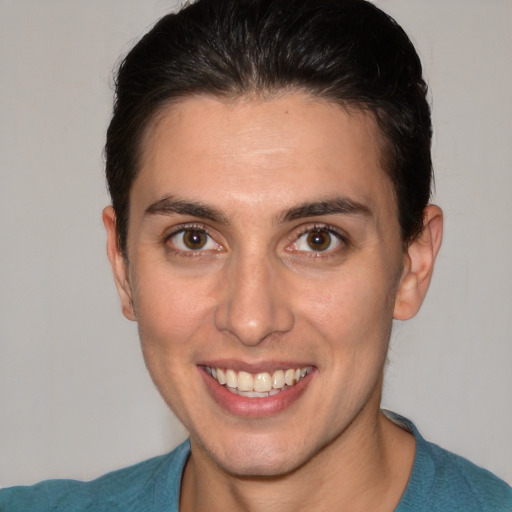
pixel 253 303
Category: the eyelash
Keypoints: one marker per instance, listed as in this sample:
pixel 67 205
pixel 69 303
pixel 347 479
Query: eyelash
pixel 202 228
pixel 324 228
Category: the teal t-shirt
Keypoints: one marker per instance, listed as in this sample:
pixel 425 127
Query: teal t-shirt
pixel 440 482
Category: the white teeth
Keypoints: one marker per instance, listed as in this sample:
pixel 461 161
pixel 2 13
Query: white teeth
pixel 221 376
pixel 231 379
pixel 245 382
pixel 289 377
pixel 278 379
pixel 250 394
pixel 260 384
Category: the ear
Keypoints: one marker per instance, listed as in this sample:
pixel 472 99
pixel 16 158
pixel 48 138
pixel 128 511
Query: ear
pixel 118 263
pixel 419 262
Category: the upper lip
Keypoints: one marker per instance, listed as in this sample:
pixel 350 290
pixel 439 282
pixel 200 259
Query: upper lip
pixel 255 366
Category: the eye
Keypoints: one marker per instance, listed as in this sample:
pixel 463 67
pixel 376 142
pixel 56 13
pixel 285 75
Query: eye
pixel 317 240
pixel 192 239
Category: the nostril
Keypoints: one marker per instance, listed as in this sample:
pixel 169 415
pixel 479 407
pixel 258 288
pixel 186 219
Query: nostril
pixel 251 306
pixel 252 327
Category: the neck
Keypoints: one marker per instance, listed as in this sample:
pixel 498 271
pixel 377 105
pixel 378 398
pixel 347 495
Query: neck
pixel 365 468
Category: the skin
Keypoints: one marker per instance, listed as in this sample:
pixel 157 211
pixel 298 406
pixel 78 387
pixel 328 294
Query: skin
pixel 257 295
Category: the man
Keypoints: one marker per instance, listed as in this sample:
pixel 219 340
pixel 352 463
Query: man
pixel 269 167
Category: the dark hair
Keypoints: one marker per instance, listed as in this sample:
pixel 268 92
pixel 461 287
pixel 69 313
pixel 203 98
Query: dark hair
pixel 346 51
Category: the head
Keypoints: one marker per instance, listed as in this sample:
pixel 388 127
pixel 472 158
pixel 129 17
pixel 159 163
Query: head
pixel 269 166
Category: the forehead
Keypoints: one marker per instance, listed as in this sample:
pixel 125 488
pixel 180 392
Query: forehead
pixel 273 153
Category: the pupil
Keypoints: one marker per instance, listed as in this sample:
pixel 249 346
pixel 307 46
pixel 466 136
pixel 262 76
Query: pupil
pixel 319 240
pixel 194 239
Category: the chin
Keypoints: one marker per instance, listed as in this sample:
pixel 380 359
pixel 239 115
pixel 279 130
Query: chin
pixel 258 466
pixel 258 455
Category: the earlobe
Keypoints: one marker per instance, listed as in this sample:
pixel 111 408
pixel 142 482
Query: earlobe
pixel 419 260
pixel 118 264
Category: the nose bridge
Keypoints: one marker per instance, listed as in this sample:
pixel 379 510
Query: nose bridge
pixel 253 305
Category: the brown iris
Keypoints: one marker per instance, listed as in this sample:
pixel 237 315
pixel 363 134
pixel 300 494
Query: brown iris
pixel 319 240
pixel 194 239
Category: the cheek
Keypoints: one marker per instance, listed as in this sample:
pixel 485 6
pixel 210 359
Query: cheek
pixel 172 315
pixel 353 317
pixel 349 303
pixel 169 308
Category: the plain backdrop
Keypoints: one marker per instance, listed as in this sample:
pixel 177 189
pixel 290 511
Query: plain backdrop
pixel 75 397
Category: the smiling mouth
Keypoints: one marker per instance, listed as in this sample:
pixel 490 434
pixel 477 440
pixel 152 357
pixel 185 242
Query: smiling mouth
pixel 258 385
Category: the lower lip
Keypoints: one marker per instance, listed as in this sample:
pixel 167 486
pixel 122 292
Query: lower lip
pixel 258 407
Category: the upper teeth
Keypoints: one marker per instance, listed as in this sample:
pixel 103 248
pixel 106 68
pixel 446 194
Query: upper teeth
pixel 263 382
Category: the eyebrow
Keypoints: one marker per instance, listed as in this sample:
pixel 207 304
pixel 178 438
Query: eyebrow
pixel 171 206
pixel 338 205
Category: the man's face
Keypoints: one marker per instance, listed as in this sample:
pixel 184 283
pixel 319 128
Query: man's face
pixel 263 248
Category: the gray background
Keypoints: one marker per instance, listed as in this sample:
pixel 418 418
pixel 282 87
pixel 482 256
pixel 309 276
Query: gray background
pixel 75 400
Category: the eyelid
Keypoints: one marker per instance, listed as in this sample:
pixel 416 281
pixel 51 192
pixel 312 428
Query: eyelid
pixel 182 228
pixel 318 226
pixel 168 233
pixel 332 230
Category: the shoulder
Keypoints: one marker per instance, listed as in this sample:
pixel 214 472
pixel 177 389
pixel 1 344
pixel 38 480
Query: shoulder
pixel 443 482
pixel 460 481
pixel 150 485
